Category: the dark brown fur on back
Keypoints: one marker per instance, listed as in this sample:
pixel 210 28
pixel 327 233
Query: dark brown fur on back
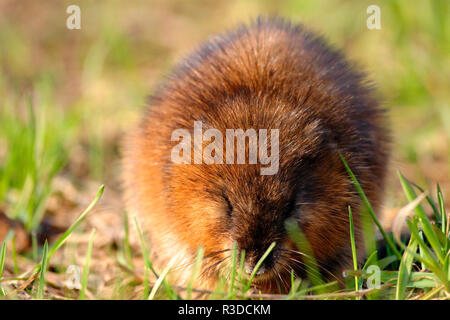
pixel 269 75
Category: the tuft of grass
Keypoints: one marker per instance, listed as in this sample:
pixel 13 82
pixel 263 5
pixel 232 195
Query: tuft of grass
pixel 37 145
pixel 435 249
pixel 422 217
pixel 432 243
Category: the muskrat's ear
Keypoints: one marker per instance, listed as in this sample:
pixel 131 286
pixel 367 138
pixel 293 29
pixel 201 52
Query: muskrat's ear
pixel 229 205
pixel 317 138
pixel 313 136
pixel 313 129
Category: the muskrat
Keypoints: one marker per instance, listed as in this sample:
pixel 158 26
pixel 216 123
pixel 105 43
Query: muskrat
pixel 270 75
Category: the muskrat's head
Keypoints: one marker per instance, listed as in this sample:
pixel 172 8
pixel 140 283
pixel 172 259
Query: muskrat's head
pixel 217 205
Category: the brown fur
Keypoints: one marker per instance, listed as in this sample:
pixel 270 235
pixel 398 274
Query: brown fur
pixel 268 75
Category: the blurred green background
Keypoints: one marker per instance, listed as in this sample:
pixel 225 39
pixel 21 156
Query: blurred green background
pixel 67 97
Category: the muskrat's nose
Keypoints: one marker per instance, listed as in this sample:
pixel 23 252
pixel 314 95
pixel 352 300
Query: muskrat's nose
pixel 252 261
pixel 259 255
pixel 248 268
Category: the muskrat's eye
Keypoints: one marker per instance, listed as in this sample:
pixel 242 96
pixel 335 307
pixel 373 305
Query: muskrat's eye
pixel 291 208
pixel 229 205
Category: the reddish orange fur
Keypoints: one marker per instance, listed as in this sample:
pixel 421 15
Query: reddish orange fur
pixel 268 75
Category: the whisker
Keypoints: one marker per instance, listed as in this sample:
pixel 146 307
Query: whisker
pixel 215 264
pixel 302 203
pixel 302 265
pixel 286 283
pixel 321 264
pixel 208 256
pixel 212 254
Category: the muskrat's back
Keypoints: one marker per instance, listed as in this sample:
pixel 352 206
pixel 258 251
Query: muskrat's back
pixel 269 75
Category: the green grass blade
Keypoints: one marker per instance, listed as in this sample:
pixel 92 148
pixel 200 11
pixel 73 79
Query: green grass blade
pixel 241 266
pixel 2 264
pixel 260 262
pixel 14 254
pixel 429 200
pixel 352 241
pixel 146 282
pixel 85 275
pixel 447 265
pixel 43 270
pixel 295 284
pixel 429 261
pixel 158 283
pixel 126 242
pixel 363 196
pixel 419 280
pixel 2 257
pixel 386 261
pixel 197 266
pixel 34 246
pixel 443 214
pixel 62 239
pixel 430 294
pixel 319 288
pixel 233 270
pixel 427 256
pixel 146 253
pixel 147 263
pixel 303 246
pixel 372 259
pixel 421 253
pixel 405 269
pixel 77 222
